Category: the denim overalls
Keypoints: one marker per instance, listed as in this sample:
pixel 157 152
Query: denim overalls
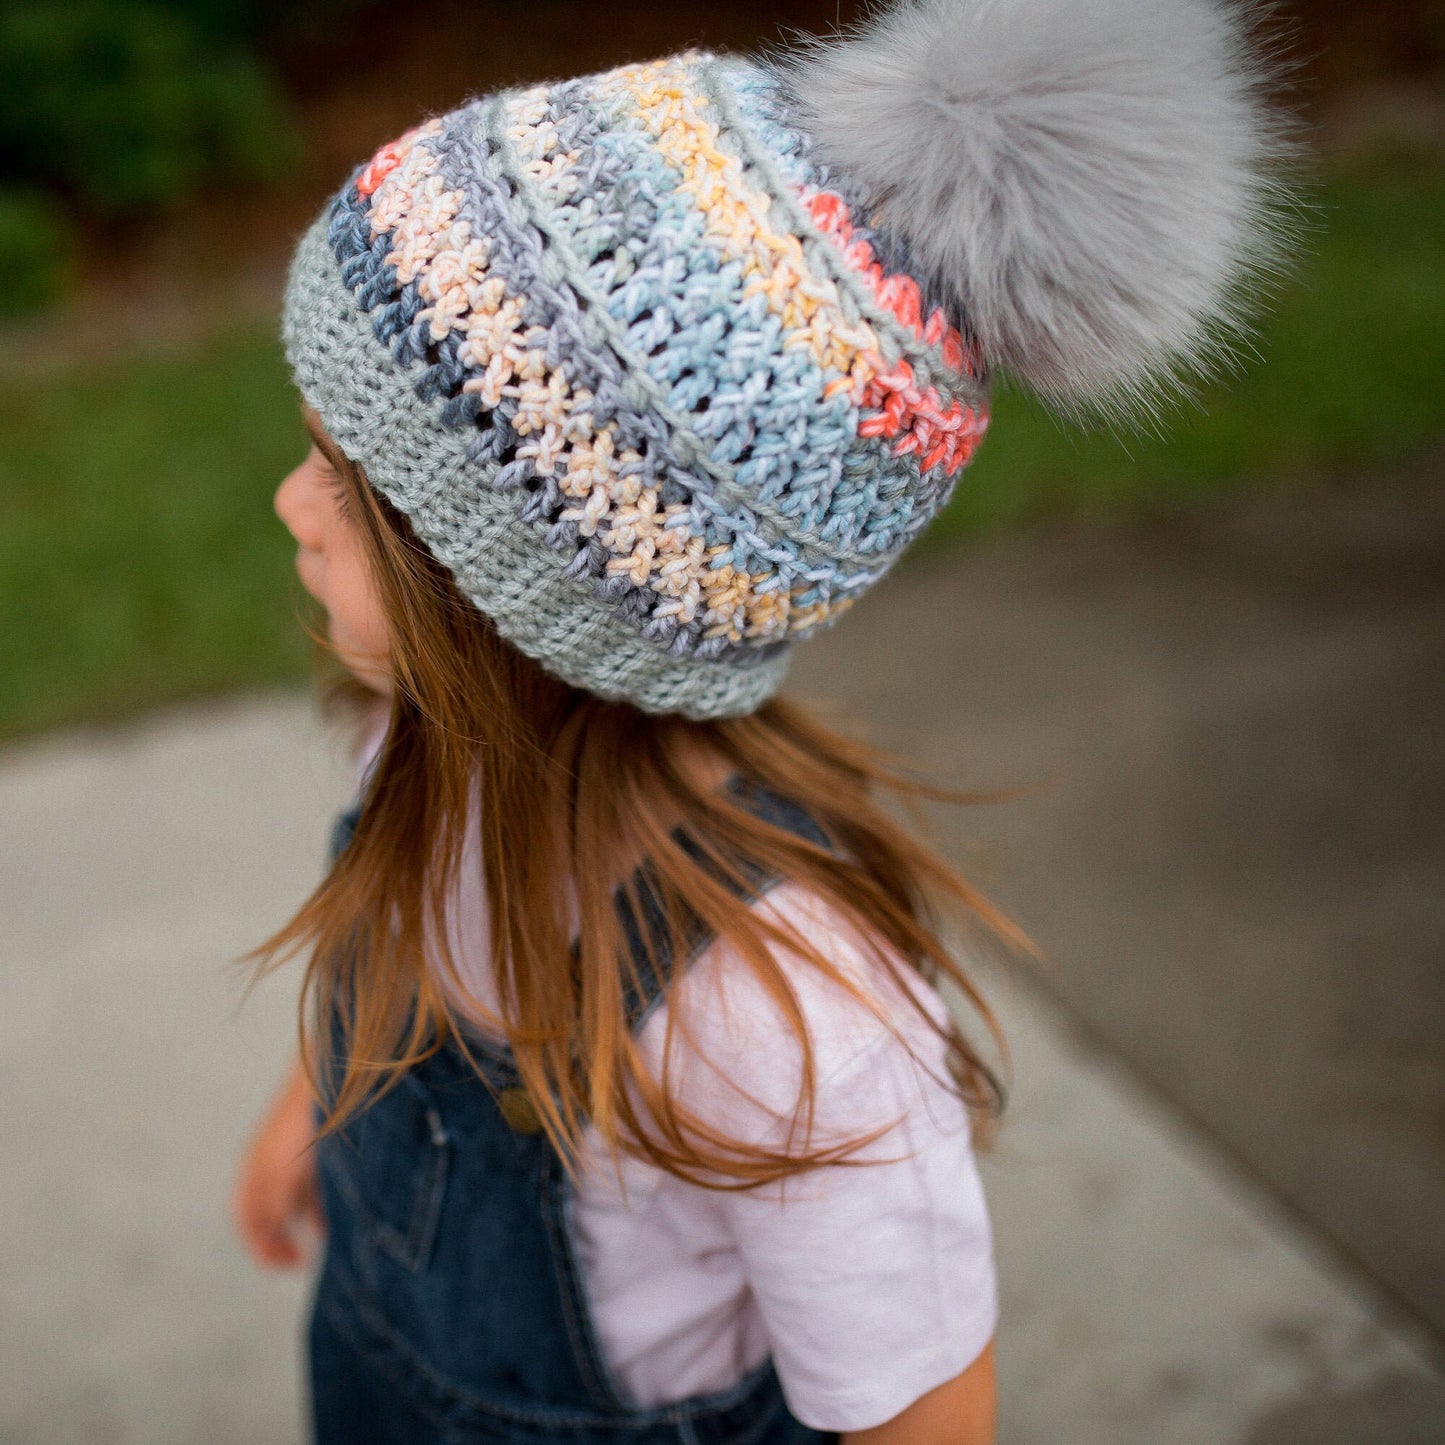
pixel 450 1305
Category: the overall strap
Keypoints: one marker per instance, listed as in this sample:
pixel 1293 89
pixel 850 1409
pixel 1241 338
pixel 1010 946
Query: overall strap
pixel 639 904
pixel 643 916
pixel 343 830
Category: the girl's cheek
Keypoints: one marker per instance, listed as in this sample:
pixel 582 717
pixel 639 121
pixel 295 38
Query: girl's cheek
pixel 372 617
pixel 378 643
pixel 364 624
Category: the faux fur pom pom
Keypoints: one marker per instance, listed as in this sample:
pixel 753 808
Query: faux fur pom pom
pixel 1097 181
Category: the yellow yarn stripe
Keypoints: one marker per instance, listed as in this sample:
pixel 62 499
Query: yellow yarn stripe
pixel 667 101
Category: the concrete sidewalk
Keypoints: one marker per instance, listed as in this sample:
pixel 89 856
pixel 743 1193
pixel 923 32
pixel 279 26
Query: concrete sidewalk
pixel 1150 1295
pixel 1231 847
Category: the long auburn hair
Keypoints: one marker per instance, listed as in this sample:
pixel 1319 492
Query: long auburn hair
pixel 570 791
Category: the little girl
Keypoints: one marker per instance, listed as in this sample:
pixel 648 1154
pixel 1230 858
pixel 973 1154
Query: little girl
pixel 637 1114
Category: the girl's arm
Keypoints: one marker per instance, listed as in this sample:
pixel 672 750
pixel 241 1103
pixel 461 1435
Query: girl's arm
pixel 958 1412
pixel 276 1206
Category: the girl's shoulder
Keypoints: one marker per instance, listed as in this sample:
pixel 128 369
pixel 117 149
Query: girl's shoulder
pixel 872 1285
pixel 738 1045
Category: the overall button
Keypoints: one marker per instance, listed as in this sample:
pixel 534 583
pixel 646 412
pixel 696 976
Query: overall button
pixel 519 1111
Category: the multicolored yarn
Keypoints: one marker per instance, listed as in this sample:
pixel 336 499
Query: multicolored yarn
pixel 638 371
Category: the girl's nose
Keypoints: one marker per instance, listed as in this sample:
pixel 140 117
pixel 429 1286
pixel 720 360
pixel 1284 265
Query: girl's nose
pixel 292 503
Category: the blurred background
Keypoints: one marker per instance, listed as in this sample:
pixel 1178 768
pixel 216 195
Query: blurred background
pixel 1212 655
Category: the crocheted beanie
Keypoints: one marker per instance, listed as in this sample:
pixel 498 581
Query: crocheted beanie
pixel 667 365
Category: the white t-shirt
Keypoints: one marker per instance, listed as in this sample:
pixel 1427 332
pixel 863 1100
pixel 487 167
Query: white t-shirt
pixel 868 1285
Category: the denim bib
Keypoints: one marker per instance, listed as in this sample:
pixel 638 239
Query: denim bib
pixel 450 1306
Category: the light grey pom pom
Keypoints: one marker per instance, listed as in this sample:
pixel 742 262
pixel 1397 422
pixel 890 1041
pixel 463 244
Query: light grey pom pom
pixel 1096 180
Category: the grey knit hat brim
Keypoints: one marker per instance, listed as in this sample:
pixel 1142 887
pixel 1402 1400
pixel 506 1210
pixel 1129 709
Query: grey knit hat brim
pixel 370 409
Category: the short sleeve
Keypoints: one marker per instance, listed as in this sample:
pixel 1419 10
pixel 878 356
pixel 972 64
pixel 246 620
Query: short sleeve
pixel 875 1283
pixel 874 1280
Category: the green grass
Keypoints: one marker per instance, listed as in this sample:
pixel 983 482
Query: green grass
pixel 140 561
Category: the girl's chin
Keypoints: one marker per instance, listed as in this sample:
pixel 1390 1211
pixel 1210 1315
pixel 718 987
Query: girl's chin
pixel 373 682
pixel 376 678
pixel 369 671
